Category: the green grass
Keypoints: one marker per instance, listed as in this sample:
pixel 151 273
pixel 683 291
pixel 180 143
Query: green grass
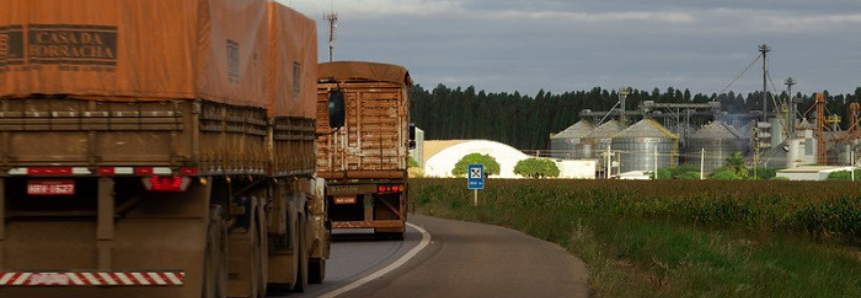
pixel 680 239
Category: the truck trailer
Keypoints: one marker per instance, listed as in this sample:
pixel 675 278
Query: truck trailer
pixel 158 149
pixel 365 161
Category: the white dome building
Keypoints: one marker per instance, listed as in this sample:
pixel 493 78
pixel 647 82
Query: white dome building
pixel 441 156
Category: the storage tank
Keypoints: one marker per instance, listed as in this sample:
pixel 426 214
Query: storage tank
pixel 563 145
pixel 718 140
pixel 638 143
pixel 598 140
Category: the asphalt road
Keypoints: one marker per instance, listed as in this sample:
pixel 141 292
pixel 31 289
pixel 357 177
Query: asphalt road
pixel 461 260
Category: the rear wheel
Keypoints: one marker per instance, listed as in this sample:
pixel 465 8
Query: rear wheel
pixel 262 234
pixel 316 270
pixel 214 271
pixel 302 275
pixel 246 254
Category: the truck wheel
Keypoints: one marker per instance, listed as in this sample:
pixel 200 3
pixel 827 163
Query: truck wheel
pixel 246 255
pixel 316 270
pixel 214 269
pixel 302 275
pixel 262 258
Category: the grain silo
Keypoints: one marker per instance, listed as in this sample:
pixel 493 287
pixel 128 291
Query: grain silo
pixel 598 140
pixel 718 140
pixel 638 143
pixel 563 144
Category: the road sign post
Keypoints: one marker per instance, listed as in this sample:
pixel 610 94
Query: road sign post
pixel 475 180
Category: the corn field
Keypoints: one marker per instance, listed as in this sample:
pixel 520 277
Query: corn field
pixel 829 209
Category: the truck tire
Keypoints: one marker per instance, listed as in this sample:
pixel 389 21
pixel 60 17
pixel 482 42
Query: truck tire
pixel 302 275
pixel 214 269
pixel 248 245
pixel 316 270
pixel 262 259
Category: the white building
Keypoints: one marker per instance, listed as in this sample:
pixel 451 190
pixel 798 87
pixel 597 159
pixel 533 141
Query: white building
pixel 445 154
pixel 577 169
pixel 441 156
pixel 814 173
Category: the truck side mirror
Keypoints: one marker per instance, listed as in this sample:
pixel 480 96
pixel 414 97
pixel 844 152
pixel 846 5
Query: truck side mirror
pixel 336 109
pixel 412 136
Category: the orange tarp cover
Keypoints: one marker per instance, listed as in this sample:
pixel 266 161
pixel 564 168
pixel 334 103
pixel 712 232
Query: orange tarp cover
pixel 364 71
pixel 293 75
pixel 136 49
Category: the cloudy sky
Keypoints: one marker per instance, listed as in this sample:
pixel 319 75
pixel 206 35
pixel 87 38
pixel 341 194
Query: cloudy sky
pixel 559 46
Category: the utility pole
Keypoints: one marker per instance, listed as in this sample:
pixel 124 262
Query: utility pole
pixel 790 120
pixel 332 17
pixel 623 93
pixel 764 49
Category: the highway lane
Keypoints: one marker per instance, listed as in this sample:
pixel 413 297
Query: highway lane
pixel 356 254
pixel 462 260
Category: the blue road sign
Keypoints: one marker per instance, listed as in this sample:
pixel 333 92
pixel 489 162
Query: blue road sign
pixel 475 176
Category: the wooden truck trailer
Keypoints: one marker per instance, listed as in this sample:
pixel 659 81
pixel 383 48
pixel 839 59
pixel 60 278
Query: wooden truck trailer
pixel 365 161
pixel 158 149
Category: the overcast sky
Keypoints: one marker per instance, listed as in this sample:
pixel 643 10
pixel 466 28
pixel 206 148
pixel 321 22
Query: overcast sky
pixel 559 46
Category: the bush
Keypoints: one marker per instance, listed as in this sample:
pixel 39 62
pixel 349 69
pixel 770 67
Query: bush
pixel 491 167
pixel 413 163
pixel 844 175
pixel 684 171
pixel 724 175
pixel 689 175
pixel 767 173
pixel 536 168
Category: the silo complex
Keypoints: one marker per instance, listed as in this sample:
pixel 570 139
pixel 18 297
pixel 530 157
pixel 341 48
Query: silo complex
pixel 638 143
pixel 598 140
pixel 564 144
pixel 719 142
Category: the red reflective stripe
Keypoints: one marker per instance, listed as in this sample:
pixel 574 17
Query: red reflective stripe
pixel 147 278
pixel 116 277
pixel 49 171
pixel 106 170
pixel 143 171
pixel 188 171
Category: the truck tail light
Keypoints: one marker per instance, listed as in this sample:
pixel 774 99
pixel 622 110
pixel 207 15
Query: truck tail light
pixel 390 188
pixel 166 183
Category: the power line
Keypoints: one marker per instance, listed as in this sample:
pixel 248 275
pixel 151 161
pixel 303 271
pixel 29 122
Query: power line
pixel 738 76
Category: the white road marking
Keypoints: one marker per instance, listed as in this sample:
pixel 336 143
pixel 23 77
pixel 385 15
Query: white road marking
pixel 403 260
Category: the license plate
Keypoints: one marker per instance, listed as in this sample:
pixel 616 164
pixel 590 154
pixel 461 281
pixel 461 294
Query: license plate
pixel 345 200
pixel 51 187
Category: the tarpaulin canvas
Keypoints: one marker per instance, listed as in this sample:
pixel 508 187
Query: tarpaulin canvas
pixel 364 71
pixel 293 75
pixel 136 49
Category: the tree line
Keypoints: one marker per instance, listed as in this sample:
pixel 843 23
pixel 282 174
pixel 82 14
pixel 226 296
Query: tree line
pixel 526 122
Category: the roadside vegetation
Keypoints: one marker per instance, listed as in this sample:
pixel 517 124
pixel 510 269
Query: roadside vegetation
pixel 491 166
pixel 536 168
pixel 679 238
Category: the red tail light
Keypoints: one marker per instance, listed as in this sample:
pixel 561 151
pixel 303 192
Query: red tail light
pixel 390 188
pixel 166 183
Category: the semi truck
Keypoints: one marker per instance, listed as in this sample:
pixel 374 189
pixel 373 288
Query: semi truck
pixel 365 161
pixel 158 149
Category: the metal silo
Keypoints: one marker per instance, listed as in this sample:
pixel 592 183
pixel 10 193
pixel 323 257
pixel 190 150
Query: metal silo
pixel 637 146
pixel 719 142
pixel 598 140
pixel 563 144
